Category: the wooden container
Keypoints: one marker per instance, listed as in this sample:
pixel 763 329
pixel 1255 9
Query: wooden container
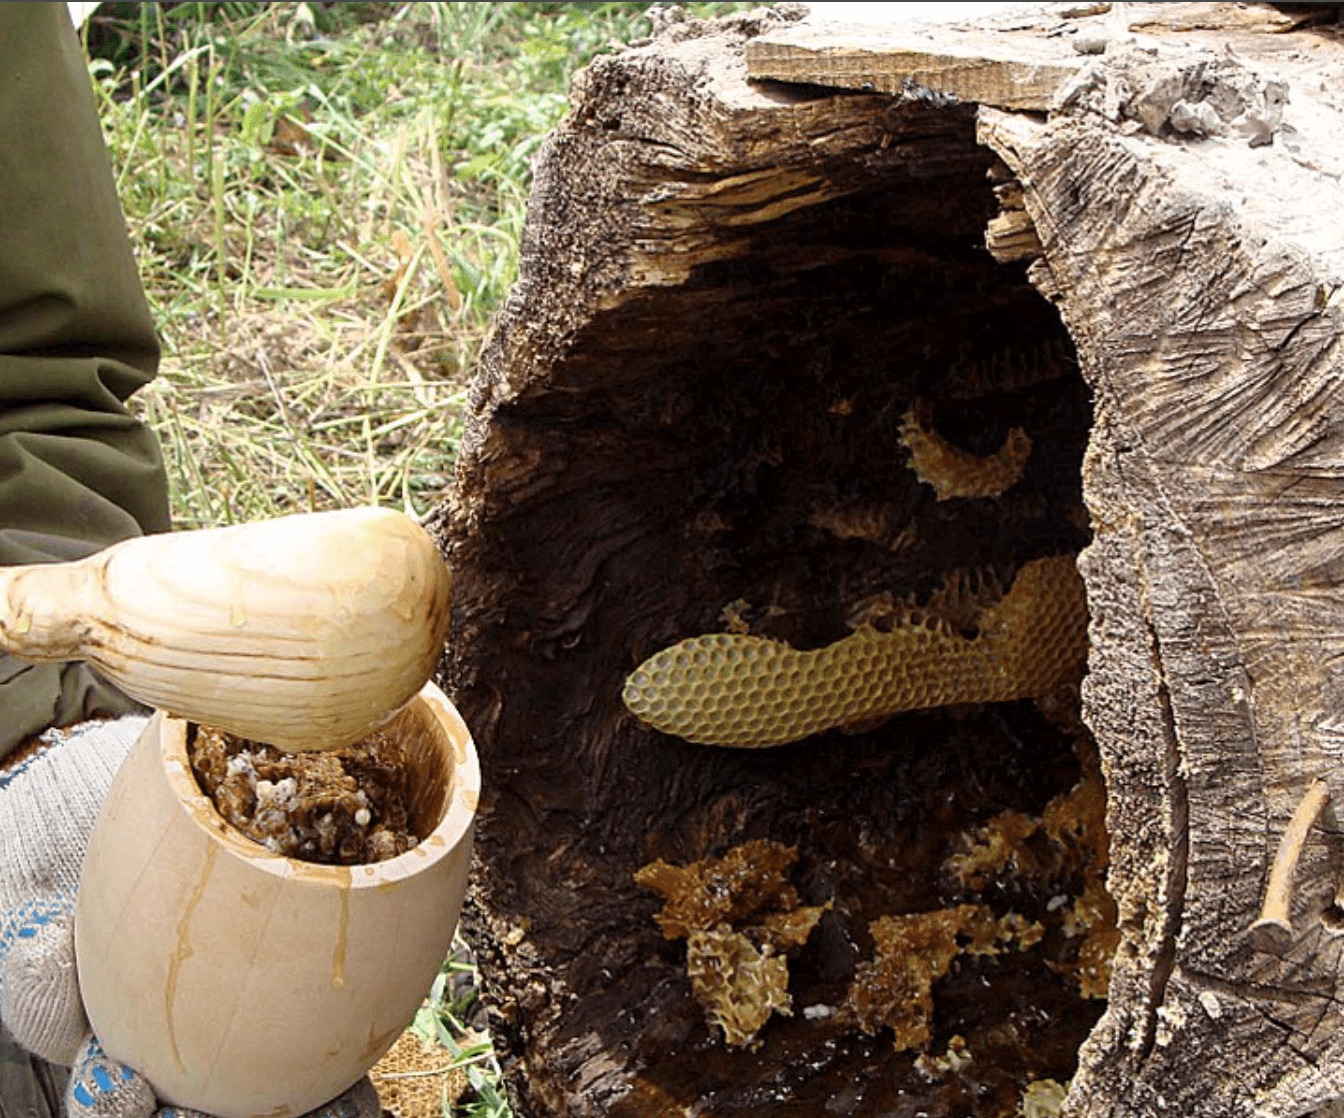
pixel 241 982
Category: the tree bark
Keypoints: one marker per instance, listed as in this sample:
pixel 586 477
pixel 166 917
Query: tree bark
pixel 694 415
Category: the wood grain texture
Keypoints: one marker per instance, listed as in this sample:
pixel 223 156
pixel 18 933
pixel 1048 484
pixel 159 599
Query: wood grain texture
pixel 305 631
pixel 1210 336
pixel 967 64
pixel 730 298
pixel 1022 62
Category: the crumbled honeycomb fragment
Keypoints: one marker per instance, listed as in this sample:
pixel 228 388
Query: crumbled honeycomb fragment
pixel 729 689
pixel 1077 819
pixel 911 952
pixel 791 928
pixel 954 1061
pixel 740 916
pixel 1094 916
pixel 1043 1098
pixel 415 1079
pixel 874 523
pixel 954 472
pixel 1001 842
pixel 737 984
pixel 1017 930
pixel 896 987
pixel 340 807
pixel 730 890
pixel 733 616
pixel 1066 841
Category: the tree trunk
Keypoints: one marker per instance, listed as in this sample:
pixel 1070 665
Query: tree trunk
pixel 754 323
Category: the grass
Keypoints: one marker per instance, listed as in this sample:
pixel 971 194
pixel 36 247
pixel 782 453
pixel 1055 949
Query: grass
pixel 443 1020
pixel 326 202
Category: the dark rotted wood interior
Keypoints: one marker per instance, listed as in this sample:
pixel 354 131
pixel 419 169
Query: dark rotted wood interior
pixel 651 447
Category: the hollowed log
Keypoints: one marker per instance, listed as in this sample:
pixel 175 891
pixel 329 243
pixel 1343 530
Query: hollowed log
pixel 694 416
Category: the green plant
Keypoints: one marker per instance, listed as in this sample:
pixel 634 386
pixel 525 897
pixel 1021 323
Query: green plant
pixel 326 201
pixel 443 1019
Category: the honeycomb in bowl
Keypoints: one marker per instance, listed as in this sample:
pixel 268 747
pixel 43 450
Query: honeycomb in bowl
pixel 340 807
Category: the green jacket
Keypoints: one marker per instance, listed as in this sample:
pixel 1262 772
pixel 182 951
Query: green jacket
pixel 77 472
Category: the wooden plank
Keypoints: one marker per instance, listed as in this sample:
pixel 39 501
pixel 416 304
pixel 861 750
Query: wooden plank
pixel 965 63
pixel 1227 17
pixel 1018 62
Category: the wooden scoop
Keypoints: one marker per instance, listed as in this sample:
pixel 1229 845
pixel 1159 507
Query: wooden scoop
pixel 306 631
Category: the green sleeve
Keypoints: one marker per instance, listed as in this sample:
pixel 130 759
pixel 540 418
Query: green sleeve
pixel 77 471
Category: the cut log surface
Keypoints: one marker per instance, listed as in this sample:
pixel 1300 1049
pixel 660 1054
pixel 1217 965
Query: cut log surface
pixel 1020 62
pixel 968 63
pixel 733 299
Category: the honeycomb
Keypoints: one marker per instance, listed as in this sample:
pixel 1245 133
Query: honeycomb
pixel 894 990
pixel 737 690
pixel 418 1080
pixel 954 472
pixel 741 917
pixel 738 984
pixel 1049 854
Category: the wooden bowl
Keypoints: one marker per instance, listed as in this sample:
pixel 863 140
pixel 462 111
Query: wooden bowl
pixel 243 983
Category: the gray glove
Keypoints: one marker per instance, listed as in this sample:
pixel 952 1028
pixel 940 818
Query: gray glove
pixel 48 803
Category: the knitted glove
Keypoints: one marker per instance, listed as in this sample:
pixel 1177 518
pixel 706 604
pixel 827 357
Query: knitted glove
pixel 100 1087
pixel 48 803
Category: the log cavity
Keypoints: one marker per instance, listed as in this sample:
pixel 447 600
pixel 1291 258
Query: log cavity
pixel 725 444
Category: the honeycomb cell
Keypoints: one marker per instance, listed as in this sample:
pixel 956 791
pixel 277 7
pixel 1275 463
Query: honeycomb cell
pixel 953 472
pixel 737 690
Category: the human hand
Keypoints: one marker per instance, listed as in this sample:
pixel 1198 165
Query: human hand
pixel 48 804
pixel 101 1087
